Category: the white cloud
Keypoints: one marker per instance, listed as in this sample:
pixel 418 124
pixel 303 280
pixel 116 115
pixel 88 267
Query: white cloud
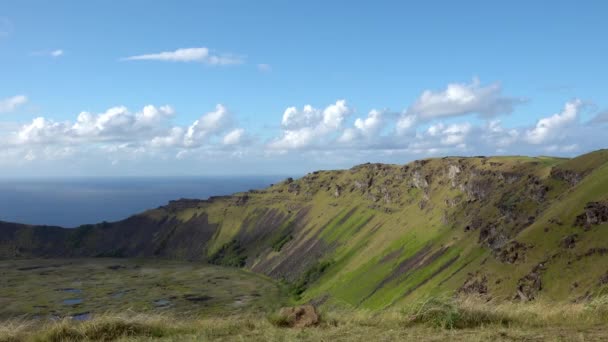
pixel 495 134
pixel 234 137
pixel 118 135
pixel 552 127
pixel 405 123
pixel 367 128
pixel 294 119
pixel 454 134
pixel 198 54
pixel 211 123
pixel 461 99
pixel 174 137
pixel 11 103
pixel 302 128
pixel 115 124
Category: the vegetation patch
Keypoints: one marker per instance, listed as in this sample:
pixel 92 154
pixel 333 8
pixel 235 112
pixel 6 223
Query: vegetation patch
pixel 281 240
pixel 448 313
pixel 311 275
pixel 231 254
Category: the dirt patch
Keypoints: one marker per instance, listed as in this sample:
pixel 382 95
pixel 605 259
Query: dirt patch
pixel 116 267
pixel 31 268
pixel 476 284
pixel 299 316
pixel 392 256
pixel 196 298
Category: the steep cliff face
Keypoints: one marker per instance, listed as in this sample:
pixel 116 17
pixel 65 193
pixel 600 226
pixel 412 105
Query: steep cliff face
pixel 378 235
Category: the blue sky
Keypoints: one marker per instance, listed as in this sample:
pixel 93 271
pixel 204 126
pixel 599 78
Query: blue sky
pixel 220 87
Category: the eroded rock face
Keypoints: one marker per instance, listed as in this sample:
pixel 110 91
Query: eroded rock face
pixel 419 181
pixel 476 284
pixel 569 241
pixel 595 213
pixel 512 252
pixel 241 200
pixel 479 187
pixel 529 286
pixel 453 172
pixel 566 175
pixel 293 188
pixel 492 236
pixel 300 316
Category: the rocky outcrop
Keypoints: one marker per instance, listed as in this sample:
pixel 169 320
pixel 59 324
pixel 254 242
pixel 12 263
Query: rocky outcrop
pixel 569 241
pixel 476 284
pixel 493 237
pixel 595 213
pixel 529 286
pixel 512 252
pixel 569 176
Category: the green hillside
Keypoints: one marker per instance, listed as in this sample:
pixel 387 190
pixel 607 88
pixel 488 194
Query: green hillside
pixel 378 235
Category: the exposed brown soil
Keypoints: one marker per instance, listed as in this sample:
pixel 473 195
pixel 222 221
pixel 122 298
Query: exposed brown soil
pixel 300 316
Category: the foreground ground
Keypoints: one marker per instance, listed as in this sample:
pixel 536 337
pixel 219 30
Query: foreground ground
pixel 434 320
pixel 140 300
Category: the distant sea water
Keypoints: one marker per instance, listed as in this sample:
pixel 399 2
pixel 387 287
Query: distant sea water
pixel 72 202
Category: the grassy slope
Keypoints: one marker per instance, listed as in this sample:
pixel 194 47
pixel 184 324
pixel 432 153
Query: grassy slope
pixel 391 233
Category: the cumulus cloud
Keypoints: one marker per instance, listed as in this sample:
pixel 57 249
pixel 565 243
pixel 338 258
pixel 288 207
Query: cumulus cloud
pixel 405 123
pixel 118 134
pixel 115 124
pixel 454 134
pixel 212 122
pixel 234 137
pixel 552 127
pixel 10 104
pixel 325 135
pixel 303 128
pixel 494 134
pixel 366 128
pixel 461 99
pixel 198 54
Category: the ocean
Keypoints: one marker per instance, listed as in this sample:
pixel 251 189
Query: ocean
pixel 73 202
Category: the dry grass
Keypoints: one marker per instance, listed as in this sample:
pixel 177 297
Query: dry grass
pixel 435 319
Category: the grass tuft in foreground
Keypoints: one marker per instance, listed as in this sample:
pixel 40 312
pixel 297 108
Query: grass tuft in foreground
pixel 434 319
